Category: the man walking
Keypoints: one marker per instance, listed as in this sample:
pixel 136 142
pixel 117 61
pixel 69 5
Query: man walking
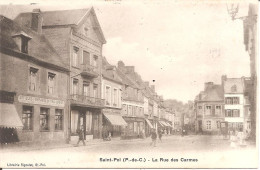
pixel 81 136
pixel 153 136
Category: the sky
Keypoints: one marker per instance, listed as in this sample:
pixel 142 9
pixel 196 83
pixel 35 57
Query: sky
pixel 178 44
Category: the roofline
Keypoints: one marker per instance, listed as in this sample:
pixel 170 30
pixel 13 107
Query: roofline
pixel 18 54
pixel 110 79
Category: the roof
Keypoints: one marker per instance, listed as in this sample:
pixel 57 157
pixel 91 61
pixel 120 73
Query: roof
pixel 212 93
pixel 62 18
pixel 234 85
pixel 110 72
pixel 38 46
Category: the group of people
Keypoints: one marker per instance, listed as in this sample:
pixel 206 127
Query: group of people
pixel 154 136
pixel 237 138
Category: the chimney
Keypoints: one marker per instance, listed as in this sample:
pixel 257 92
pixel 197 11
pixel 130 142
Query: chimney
pixel 120 64
pixel 223 79
pixel 208 85
pixel 37 20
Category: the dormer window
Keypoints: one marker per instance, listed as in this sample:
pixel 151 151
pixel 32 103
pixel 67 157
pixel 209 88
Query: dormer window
pixel 234 88
pixel 22 40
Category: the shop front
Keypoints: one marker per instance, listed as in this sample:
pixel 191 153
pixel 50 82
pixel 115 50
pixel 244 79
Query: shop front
pixel 89 118
pixel 113 123
pixel 134 129
pixel 148 127
pixel 10 120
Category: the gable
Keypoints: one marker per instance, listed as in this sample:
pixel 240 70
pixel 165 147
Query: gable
pixel 90 21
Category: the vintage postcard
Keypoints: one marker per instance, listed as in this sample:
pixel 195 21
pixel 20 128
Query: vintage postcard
pixel 128 84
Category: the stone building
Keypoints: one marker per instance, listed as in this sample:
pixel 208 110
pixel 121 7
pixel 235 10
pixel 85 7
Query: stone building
pixel 34 84
pixel 77 37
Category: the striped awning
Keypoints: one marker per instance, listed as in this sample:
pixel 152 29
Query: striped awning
pixel 9 117
pixel 115 119
pixel 149 123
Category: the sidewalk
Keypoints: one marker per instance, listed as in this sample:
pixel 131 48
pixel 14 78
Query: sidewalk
pixel 18 147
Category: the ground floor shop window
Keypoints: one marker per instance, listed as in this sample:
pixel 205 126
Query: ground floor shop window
pixel 135 127
pixel 58 119
pixel 208 125
pixel 218 124
pixel 44 119
pixel 74 121
pixel 27 118
pixel 88 123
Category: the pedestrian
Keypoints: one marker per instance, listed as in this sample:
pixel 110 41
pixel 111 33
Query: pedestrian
pixel 81 136
pixel 160 134
pixel 154 137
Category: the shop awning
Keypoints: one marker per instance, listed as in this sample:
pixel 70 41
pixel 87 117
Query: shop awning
pixel 9 117
pixel 168 124
pixel 149 123
pixel 163 123
pixel 115 119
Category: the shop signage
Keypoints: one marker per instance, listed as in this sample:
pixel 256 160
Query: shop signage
pixel 40 101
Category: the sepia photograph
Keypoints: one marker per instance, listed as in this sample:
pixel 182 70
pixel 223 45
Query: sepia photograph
pixel 129 84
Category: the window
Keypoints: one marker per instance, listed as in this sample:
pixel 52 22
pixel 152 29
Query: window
pixel 124 108
pixel 234 88
pixel 85 30
pixel 135 127
pixel 75 56
pixel 130 111
pixel 108 92
pixel 228 100
pixel 208 125
pixel 208 110
pixel 115 97
pixel 228 113
pixel 58 119
pixel 33 79
pixel 24 46
pixel 86 57
pixel 218 110
pixel 200 107
pixel 248 125
pixel 95 90
pixel 236 113
pixel 218 124
pixel 85 88
pixel 51 82
pixel 88 123
pixel 75 86
pixel 27 118
pixel 95 61
pixel 235 100
pixel 44 119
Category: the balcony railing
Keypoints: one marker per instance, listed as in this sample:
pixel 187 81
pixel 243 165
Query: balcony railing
pixel 88 70
pixel 86 100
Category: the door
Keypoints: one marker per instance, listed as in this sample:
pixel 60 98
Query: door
pixel 95 125
pixel 82 122
pixel 200 125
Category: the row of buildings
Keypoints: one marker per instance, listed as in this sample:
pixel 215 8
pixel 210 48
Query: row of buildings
pixel 54 80
pixel 224 106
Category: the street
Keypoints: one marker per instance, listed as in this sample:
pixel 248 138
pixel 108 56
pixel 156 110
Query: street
pixel 173 151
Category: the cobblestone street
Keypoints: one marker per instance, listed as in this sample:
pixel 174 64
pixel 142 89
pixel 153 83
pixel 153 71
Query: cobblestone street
pixel 185 151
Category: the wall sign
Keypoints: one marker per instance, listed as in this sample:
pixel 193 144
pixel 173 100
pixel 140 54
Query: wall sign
pixel 40 101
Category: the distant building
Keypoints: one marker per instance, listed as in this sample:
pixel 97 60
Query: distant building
pixel 209 109
pixel 237 112
pixel 34 84
pixel 113 122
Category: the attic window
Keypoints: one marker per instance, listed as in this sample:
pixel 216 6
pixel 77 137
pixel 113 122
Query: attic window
pixel 24 45
pixel 234 88
pixel 21 40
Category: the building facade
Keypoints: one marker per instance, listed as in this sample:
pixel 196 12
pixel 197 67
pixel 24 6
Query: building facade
pixel 209 109
pixel 77 37
pixel 34 85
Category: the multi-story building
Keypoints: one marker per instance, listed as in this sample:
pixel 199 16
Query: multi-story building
pixel 250 41
pixel 236 104
pixel 34 84
pixel 113 122
pixel 209 107
pixel 77 37
pixel 132 102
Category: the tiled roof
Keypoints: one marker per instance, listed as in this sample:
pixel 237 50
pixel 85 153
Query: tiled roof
pixel 234 85
pixel 38 46
pixel 110 72
pixel 50 18
pixel 212 93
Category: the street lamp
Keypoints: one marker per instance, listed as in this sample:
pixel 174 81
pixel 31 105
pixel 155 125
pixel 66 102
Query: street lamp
pixel 232 9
